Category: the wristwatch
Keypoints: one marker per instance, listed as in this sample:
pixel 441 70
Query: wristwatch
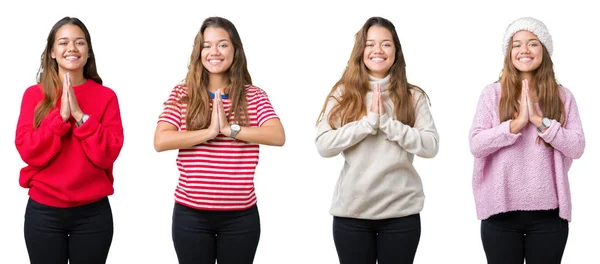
pixel 235 129
pixel 84 118
pixel 546 122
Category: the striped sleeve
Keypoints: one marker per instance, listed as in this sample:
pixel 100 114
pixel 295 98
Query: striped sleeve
pixel 264 109
pixel 172 111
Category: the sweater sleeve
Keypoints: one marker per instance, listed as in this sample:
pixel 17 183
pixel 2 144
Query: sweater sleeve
pixel 37 146
pixel 568 139
pixel 487 135
pixel 422 139
pixel 102 136
pixel 331 142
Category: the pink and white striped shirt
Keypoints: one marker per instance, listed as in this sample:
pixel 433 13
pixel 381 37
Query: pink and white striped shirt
pixel 218 175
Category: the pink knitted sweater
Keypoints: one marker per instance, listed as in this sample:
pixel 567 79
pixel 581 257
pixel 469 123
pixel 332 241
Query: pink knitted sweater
pixel 512 172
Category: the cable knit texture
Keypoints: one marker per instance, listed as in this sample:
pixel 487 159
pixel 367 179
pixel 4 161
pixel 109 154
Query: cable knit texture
pixel 513 172
pixel 69 166
pixel 532 25
pixel 378 180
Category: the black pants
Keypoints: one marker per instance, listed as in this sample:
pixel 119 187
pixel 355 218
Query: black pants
pixel 387 241
pixel 201 237
pixel 539 237
pixel 81 234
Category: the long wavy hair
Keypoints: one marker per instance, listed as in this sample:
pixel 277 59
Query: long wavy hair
pixel 198 112
pixel 47 76
pixel 546 87
pixel 355 82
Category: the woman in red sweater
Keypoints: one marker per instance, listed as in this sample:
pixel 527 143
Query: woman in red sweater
pixel 217 119
pixel 69 134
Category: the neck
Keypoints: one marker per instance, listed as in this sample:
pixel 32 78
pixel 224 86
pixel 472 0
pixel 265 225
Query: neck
pixel 529 77
pixel 76 76
pixel 216 82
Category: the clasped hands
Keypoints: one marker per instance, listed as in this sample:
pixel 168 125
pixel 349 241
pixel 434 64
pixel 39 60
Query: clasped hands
pixel 218 119
pixel 68 102
pixel 527 110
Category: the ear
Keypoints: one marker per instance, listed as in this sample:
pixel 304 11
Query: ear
pixel 52 54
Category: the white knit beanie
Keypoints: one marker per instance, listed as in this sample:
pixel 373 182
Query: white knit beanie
pixel 532 25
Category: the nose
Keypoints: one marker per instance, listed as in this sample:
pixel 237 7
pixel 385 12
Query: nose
pixel 71 46
pixel 215 50
pixel 377 49
pixel 524 49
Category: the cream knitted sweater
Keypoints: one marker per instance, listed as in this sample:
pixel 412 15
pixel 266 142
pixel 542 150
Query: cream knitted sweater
pixel 378 180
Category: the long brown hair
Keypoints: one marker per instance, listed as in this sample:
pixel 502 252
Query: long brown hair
pixel 355 82
pixel 544 81
pixel 197 99
pixel 47 76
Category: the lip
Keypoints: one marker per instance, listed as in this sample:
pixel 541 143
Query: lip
pixel 526 59
pixel 214 61
pixel 377 59
pixel 72 57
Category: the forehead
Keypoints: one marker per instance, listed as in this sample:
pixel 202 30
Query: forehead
pixel 69 31
pixel 215 34
pixel 524 35
pixel 378 33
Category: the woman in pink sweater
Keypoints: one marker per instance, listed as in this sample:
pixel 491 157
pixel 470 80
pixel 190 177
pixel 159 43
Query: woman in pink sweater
pixel 525 134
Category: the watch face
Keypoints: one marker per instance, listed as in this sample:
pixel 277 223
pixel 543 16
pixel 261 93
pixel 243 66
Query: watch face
pixel 546 122
pixel 235 127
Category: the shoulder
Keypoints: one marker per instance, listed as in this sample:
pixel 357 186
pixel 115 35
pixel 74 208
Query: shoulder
pixel 565 92
pixel 491 91
pixel 33 90
pixel 101 90
pixel 253 92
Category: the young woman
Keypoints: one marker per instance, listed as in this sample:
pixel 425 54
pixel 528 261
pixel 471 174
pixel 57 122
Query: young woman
pixel 69 134
pixel 525 135
pixel 378 121
pixel 217 119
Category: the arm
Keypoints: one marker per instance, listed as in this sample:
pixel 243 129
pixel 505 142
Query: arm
pixel 486 136
pixel 37 146
pixel 102 137
pixel 568 139
pixel 422 139
pixel 331 142
pixel 167 137
pixel 270 133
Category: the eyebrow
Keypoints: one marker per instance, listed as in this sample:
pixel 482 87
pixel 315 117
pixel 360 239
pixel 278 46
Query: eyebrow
pixel 381 41
pixel 527 40
pixel 221 40
pixel 68 38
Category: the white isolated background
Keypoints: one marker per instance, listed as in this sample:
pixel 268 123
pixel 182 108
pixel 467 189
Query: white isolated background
pixel 296 51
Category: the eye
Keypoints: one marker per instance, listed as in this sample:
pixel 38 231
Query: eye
pixel 370 45
pixel 387 45
pixel 533 44
pixel 516 45
pixel 223 46
pixel 80 43
pixel 206 47
pixel 62 43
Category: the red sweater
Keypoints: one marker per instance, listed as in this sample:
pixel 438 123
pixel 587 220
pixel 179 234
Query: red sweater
pixel 67 165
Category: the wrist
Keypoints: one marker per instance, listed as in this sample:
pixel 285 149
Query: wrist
pixel 78 116
pixel 227 131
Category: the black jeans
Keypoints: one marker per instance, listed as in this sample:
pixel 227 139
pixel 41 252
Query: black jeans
pixel 201 237
pixel 539 237
pixel 387 241
pixel 81 234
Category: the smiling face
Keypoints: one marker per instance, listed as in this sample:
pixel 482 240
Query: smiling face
pixel 70 49
pixel 527 52
pixel 380 52
pixel 217 50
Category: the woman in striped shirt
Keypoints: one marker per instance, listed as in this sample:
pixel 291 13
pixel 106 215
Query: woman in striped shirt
pixel 216 119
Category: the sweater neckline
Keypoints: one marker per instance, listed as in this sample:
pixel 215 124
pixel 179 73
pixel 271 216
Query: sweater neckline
pixel 383 82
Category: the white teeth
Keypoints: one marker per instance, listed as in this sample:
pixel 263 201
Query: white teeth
pixel 525 59
pixel 214 61
pixel 71 57
pixel 377 59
